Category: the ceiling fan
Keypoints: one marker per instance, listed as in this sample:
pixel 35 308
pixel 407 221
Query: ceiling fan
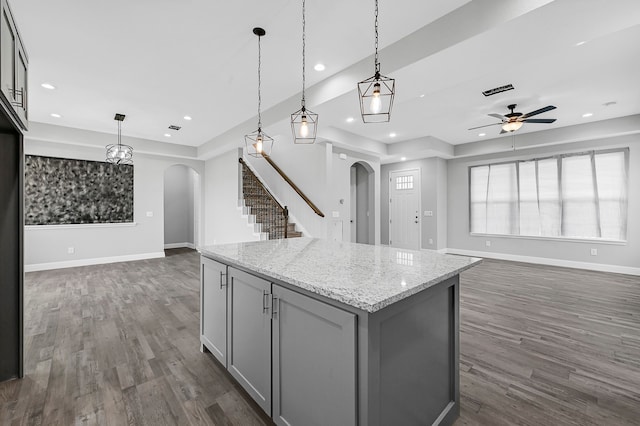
pixel 514 120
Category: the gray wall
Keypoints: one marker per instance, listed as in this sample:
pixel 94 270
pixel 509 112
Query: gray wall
pixel 433 190
pixel 47 247
pixel 625 255
pixel 178 205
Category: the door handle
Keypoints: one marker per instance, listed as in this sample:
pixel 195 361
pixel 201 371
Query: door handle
pixel 265 301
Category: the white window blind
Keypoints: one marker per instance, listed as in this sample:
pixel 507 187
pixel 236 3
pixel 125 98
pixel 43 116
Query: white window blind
pixel 574 195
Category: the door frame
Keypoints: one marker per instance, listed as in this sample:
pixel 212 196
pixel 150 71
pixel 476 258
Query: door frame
pixel 419 170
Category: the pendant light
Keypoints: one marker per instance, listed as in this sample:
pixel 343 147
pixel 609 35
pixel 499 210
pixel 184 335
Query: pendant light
pixel 377 92
pixel 119 153
pixel 304 123
pixel 258 142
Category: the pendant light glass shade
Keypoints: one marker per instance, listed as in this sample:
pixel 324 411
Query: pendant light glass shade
pixel 258 143
pixel 119 153
pixel 376 93
pixel 304 123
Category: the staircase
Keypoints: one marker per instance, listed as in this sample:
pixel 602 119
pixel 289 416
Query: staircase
pixel 269 217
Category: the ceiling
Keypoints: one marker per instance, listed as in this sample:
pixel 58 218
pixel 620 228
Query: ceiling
pixel 159 60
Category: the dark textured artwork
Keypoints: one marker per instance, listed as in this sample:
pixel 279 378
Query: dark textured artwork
pixel 63 191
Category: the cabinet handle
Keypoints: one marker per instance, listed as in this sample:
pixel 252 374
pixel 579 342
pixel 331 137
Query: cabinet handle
pixel 275 308
pixel 265 301
pixel 223 283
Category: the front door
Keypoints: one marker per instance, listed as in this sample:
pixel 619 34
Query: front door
pixel 404 209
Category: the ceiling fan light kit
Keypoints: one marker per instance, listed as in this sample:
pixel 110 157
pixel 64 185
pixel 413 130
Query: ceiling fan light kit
pixel 376 93
pixel 258 143
pixel 514 120
pixel 304 122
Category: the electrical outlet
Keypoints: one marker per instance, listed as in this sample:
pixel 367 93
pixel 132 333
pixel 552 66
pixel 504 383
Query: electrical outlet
pixel 336 214
pixel 71 250
pixel 149 214
pixel 487 243
pixel 428 213
pixel 594 252
pixel 431 241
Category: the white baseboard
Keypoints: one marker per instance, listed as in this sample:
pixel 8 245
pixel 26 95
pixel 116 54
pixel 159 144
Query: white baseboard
pixel 180 245
pixel 548 261
pixel 86 262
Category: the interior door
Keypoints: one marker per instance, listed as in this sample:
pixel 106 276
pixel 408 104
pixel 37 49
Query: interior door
pixel 404 209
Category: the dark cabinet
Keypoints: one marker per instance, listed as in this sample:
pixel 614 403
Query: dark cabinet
pixel 14 66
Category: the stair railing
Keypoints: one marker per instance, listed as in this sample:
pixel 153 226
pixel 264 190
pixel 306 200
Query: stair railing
pixel 273 217
pixel 293 185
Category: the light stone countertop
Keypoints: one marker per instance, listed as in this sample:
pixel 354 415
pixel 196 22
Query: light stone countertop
pixel 363 276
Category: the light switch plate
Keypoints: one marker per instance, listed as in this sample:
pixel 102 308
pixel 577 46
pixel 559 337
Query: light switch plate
pixel 336 214
pixel 428 213
pixel 149 214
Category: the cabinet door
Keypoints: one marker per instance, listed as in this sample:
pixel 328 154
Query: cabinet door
pixel 314 361
pixel 213 308
pixel 21 86
pixel 250 335
pixel 8 43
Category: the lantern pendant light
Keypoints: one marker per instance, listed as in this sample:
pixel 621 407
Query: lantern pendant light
pixel 258 143
pixel 377 92
pixel 119 153
pixel 304 123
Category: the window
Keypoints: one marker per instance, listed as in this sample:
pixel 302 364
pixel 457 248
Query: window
pixel 404 182
pixel 574 195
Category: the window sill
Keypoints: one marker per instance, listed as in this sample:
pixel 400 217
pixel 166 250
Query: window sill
pixel 560 239
pixel 79 226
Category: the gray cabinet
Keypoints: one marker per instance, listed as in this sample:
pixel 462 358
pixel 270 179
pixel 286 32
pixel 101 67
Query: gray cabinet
pixel 213 304
pixel 249 335
pixel 13 67
pixel 314 361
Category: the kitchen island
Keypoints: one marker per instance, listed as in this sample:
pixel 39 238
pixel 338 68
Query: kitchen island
pixel 321 332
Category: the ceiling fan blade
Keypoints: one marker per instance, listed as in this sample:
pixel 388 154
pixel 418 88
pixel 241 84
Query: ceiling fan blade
pixel 503 131
pixel 539 120
pixel 498 116
pixel 486 125
pixel 538 111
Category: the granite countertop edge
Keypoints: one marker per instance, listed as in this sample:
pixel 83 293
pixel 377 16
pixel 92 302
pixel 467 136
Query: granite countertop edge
pixel 336 296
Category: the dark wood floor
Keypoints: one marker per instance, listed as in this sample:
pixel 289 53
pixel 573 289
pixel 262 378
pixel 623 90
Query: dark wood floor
pixel 118 344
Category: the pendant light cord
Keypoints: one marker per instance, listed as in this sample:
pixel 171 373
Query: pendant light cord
pixel 259 85
pixel 304 25
pixel 377 63
pixel 119 134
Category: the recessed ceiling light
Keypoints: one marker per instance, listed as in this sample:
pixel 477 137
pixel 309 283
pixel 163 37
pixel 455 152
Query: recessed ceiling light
pixel 392 135
pixel 186 117
pixel 587 114
pixel 422 96
pixel 54 115
pixel 350 120
pixel 580 43
pixel 319 67
pixel 167 135
pixel 482 134
pixel 48 86
pixel 403 159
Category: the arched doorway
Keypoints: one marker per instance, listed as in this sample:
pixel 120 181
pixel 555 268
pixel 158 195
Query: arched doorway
pixel 362 203
pixel 181 207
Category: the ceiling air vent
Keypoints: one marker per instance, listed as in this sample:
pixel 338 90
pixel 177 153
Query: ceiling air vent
pixel 174 127
pixel 498 90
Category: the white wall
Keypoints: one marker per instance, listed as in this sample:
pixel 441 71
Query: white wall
pixel 47 247
pixel 433 193
pixel 615 257
pixel 179 184
pixel 223 220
